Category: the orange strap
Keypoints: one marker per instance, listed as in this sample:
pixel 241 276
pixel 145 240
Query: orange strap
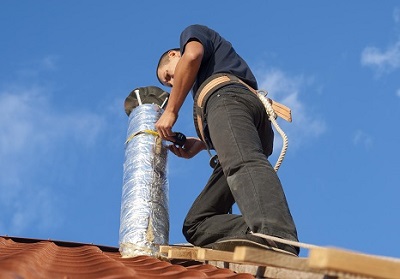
pixel 217 81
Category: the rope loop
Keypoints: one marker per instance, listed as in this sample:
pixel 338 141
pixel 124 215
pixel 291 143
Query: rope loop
pixel 261 94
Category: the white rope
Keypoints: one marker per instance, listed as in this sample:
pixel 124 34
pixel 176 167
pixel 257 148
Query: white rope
pixel 272 117
pixel 286 241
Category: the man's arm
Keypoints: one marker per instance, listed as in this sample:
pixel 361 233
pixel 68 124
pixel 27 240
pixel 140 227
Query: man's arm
pixel 184 76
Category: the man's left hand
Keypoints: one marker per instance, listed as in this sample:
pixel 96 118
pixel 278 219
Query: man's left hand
pixel 191 148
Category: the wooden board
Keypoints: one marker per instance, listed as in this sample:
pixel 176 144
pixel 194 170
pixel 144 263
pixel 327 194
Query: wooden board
pixel 214 255
pixel 247 255
pixel 275 267
pixel 272 272
pixel 269 258
pixel 179 252
pixel 329 262
pixel 346 261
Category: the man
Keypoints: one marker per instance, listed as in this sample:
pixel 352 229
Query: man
pixel 237 128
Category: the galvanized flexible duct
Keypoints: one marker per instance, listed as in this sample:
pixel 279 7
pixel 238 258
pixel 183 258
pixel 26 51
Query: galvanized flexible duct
pixel 144 223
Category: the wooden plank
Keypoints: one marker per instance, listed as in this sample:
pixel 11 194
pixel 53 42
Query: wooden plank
pixel 258 266
pixel 269 258
pixel 195 253
pixel 334 259
pixel 214 255
pixel 179 252
pixel 271 271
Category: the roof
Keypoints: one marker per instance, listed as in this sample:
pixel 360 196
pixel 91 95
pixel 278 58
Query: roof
pixel 35 258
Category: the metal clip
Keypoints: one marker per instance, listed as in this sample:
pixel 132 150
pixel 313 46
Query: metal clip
pixel 214 161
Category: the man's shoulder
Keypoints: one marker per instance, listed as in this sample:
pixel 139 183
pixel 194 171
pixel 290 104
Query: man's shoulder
pixel 197 26
pixel 198 29
pixel 206 36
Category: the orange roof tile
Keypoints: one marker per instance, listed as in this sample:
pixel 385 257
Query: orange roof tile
pixel 33 258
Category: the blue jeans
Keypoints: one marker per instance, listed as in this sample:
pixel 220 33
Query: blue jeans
pixel 242 137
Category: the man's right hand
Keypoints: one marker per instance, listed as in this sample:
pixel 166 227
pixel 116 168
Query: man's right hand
pixel 164 125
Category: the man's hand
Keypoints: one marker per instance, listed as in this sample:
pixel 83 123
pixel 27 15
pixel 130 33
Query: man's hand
pixel 191 148
pixel 164 125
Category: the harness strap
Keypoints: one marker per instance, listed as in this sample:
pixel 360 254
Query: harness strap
pixel 217 81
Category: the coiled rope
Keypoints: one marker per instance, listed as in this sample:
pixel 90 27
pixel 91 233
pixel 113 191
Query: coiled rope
pixel 261 94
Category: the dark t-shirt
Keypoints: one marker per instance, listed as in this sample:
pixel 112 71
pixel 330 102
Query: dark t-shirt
pixel 219 56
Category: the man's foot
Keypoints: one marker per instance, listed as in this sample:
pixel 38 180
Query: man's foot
pixel 248 240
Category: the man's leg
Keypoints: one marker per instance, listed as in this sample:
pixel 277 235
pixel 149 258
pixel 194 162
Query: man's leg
pixel 208 220
pixel 236 120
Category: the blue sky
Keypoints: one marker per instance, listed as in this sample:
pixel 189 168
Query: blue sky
pixel 66 68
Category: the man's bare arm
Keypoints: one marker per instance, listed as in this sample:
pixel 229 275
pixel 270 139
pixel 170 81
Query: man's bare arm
pixel 185 74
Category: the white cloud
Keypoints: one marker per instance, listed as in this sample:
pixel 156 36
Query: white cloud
pixel 27 119
pixel 396 15
pixel 363 139
pixel 382 61
pixel 32 136
pixel 33 208
pixel 35 67
pixel 286 90
pixel 49 62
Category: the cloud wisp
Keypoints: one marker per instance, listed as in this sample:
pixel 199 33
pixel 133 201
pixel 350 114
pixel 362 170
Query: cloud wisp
pixel 396 15
pixel 383 61
pixel 31 133
pixel 360 138
pixel 286 89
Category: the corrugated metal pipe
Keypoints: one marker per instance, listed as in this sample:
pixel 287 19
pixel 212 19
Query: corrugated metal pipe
pixel 144 224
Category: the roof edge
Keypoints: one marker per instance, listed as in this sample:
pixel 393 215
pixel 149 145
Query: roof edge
pixel 61 243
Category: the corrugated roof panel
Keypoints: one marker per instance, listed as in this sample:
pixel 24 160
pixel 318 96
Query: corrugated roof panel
pixel 31 259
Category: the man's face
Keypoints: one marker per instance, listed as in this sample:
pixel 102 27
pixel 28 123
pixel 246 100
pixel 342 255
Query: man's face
pixel 166 72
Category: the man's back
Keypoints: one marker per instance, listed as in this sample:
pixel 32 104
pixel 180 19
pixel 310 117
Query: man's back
pixel 219 56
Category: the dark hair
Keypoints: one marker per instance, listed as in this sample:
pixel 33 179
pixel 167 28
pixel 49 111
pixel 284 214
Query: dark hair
pixel 164 60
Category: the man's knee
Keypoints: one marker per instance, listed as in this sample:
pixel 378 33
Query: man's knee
pixel 189 229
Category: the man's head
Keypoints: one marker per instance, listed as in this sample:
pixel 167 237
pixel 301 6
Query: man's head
pixel 166 66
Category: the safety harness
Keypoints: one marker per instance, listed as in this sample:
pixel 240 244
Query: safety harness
pixel 217 81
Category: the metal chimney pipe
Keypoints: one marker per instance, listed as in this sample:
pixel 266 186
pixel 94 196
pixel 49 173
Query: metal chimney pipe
pixel 144 223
